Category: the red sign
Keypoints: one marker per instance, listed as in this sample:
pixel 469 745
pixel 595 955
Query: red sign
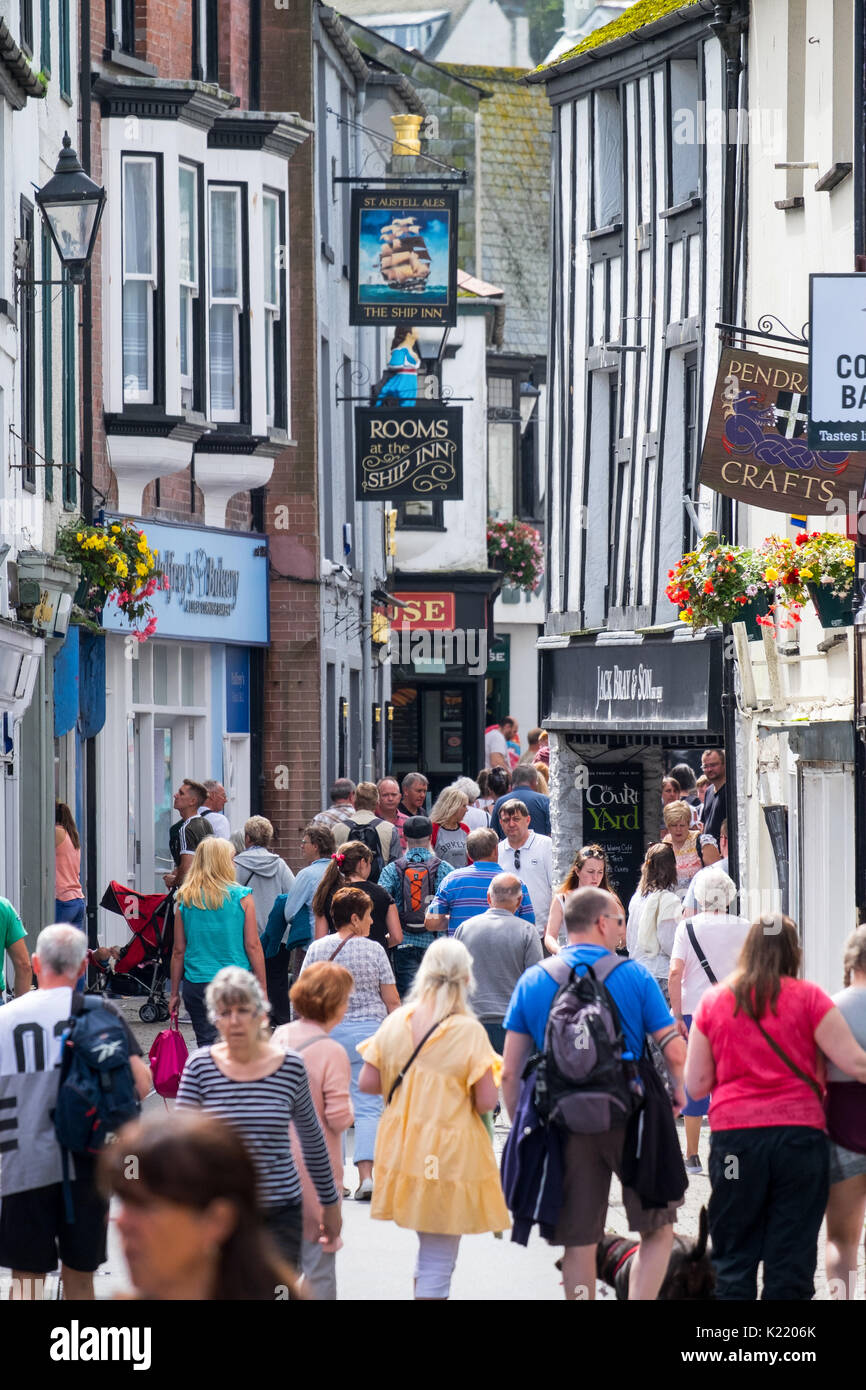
pixel 428 611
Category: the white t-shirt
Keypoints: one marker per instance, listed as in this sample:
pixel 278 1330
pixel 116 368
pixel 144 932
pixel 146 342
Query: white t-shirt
pixel 720 937
pixel 666 924
pixel 30 1031
pixel 535 870
pixel 218 821
pixel 475 818
pixel 494 742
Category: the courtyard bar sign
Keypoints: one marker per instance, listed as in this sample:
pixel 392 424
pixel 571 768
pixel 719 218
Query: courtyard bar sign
pixel 756 447
pixel 837 362
pixel 411 452
pixel 404 257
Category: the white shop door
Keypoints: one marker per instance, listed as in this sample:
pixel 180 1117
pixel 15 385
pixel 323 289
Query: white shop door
pixel 826 870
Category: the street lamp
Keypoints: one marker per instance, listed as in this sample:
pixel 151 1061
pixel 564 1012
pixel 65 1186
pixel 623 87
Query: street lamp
pixel 72 205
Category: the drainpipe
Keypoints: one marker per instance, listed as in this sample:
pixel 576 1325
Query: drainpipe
pixel 860 551
pixel 366 541
pixel 91 885
pixel 729 33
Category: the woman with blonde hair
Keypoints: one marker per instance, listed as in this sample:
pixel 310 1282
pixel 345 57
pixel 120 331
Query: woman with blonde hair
pixel 683 839
pixel 543 773
pixel 589 870
pixel 450 831
pixel 435 1169
pixel 654 914
pixel 320 999
pixel 258 1089
pixel 214 926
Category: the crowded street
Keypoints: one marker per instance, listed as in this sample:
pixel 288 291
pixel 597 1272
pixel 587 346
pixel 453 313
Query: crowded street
pixel 432 669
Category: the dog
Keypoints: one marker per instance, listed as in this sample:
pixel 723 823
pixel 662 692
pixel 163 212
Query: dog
pixel 690 1273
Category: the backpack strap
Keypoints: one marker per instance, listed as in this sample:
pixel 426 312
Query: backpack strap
pixel 702 960
pixel 560 970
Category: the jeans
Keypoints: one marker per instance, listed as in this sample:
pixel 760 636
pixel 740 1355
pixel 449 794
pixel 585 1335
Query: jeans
pixel 770 1188
pixel 407 959
pixel 193 998
pixel 285 1226
pixel 277 976
pixel 495 1032
pixel 71 911
pixel 367 1109
pixel 319 1270
pixel 437 1256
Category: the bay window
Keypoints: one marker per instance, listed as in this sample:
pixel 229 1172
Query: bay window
pixel 225 301
pixel 275 341
pixel 188 281
pixel 140 278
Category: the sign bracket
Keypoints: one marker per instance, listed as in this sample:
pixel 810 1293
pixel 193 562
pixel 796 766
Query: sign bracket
pixel 763 332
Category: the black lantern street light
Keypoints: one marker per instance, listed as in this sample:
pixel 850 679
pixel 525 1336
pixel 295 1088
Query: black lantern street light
pixel 72 205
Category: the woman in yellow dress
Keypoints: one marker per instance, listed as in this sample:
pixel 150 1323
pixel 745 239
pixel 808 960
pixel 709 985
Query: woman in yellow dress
pixel 435 1168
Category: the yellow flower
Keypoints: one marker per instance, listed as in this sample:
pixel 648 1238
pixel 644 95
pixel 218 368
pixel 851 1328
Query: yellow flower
pixel 683 617
pixel 141 570
pixel 771 575
pixel 142 545
pixel 80 537
pixel 805 574
pixel 115 530
pixel 849 564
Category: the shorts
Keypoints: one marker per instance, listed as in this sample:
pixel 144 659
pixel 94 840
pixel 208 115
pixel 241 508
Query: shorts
pixel 589 1161
pixel 845 1163
pixel 693 1109
pixel 34 1229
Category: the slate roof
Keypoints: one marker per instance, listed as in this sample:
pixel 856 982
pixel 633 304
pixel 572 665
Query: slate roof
pixel 401 11
pixel 514 194
pixel 643 14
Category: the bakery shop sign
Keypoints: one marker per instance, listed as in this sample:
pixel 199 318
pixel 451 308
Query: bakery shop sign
pixel 409 452
pixel 756 448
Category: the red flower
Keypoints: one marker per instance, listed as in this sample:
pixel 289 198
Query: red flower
pixel 708 586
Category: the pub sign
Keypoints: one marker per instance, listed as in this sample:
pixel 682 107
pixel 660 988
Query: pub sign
pixel 403 257
pixel 756 447
pixel 409 452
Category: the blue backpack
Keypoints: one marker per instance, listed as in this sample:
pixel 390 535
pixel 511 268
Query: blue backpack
pixel 97 1093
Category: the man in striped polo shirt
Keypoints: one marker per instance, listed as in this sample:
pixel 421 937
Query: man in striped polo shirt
pixel 463 894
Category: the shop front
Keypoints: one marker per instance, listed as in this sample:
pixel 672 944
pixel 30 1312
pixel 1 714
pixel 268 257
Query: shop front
pixel 620 713
pixel 439 662
pixel 186 703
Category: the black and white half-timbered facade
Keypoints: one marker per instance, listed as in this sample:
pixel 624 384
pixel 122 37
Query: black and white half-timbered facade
pixel 641 273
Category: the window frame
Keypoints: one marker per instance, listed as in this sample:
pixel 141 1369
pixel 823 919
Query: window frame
pixel 27 358
pixel 70 400
pixel 152 394
pixel 241 414
pixel 45 38
pixel 205 41
pixel 25 21
pixel 63 54
pixel 47 368
pixel 190 309
pixel 121 25
pixel 275 319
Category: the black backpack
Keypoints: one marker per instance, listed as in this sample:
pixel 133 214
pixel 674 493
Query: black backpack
pixel 582 1083
pixel 369 836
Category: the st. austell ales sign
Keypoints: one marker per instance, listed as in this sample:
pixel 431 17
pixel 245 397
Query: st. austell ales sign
pixel 411 452
pixel 757 448
pixel 403 257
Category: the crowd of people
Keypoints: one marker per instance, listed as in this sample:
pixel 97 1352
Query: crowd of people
pixel 420 970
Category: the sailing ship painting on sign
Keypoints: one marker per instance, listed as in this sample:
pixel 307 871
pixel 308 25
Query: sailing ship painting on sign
pixel 404 257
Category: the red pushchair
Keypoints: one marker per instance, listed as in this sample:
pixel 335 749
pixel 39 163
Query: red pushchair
pixel 143 961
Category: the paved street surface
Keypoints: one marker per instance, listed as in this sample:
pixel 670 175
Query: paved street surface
pixel 378 1258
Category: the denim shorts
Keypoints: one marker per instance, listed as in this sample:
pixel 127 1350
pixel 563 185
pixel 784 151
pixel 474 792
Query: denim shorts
pixel 845 1163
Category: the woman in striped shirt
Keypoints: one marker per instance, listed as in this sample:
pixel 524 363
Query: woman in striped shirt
pixel 257 1088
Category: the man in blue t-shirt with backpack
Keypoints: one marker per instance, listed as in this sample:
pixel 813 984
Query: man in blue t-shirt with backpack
pixel 413 881
pixel 594 922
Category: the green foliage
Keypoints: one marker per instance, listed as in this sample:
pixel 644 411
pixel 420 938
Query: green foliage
pixel 545 25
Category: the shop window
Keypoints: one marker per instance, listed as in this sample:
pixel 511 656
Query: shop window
pixel 226 306
pixel 140 279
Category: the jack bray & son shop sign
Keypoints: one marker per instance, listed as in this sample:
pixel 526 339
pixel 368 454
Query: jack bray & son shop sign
pixel 412 452
pixel 756 447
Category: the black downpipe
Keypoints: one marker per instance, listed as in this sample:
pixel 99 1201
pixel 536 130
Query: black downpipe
pixel 92 893
pixel 860 550
pixel 729 33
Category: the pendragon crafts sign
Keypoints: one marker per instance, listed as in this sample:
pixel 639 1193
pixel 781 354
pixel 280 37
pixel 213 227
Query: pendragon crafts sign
pixel 756 448
pixel 413 451
pixel 404 257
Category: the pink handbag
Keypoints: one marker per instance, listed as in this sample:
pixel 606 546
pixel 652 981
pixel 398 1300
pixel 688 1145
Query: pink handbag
pixel 167 1056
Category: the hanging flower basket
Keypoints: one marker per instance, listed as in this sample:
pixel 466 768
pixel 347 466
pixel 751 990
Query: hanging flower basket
pixel 114 561
pixel 718 583
pixel 753 612
pixel 516 549
pixel 833 609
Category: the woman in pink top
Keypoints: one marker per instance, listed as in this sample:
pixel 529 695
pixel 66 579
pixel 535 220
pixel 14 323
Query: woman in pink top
pixel 320 999
pixel 754 1044
pixel 68 893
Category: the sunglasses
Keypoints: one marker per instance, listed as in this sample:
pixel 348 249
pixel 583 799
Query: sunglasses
pixel 612 917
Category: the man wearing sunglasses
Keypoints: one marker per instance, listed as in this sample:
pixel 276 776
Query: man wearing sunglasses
pixel 529 856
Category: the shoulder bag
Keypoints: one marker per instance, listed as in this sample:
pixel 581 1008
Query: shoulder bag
pixel 400 1075
pixel 702 960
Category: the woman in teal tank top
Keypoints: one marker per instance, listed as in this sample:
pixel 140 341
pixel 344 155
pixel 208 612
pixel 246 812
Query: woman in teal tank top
pixel 214 926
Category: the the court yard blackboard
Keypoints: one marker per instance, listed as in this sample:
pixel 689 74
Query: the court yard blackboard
pixel 613 817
